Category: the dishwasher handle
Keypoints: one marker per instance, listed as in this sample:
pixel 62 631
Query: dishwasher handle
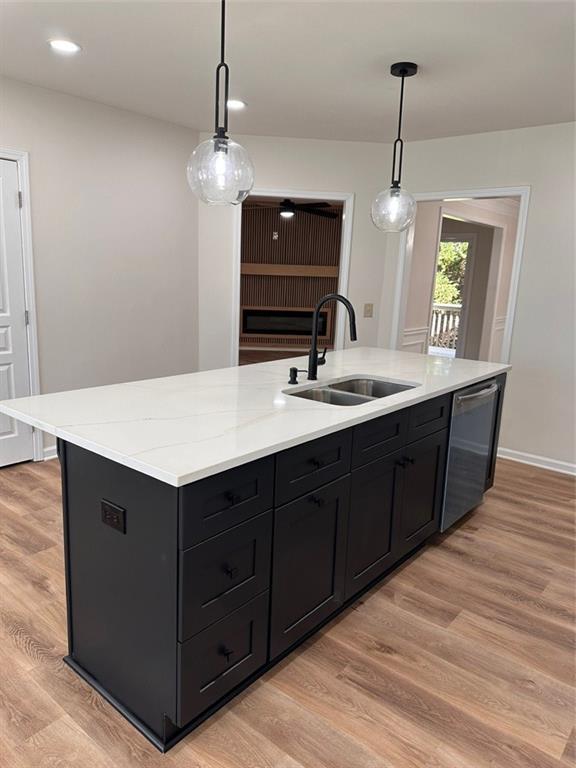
pixel 480 395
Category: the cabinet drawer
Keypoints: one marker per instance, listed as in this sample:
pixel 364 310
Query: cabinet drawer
pixel 210 506
pixel 428 417
pixel 379 437
pixel 310 465
pixel 220 658
pixel 223 573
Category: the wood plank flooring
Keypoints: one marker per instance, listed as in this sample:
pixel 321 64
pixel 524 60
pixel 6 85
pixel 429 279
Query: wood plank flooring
pixel 464 658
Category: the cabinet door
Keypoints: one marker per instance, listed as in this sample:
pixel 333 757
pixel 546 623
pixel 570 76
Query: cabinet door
pixel 424 464
pixel 375 494
pixel 309 555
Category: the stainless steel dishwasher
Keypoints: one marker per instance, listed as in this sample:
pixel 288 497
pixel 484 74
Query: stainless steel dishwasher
pixel 470 449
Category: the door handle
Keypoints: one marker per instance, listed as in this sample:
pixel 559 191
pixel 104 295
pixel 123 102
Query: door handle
pixel 318 500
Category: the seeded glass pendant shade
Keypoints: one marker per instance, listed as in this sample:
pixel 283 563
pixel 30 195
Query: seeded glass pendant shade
pixel 219 170
pixel 394 209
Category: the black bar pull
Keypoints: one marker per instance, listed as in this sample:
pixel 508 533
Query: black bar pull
pixel 230 571
pixel 224 651
pixel 233 498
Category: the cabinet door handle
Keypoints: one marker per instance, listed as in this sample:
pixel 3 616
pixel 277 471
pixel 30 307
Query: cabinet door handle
pixel 233 498
pixel 317 463
pixel 401 463
pixel 318 500
pixel 409 460
pixel 230 571
pixel 224 651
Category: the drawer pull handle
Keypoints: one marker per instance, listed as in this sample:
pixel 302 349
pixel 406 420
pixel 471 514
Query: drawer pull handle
pixel 316 463
pixel 233 498
pixel 409 460
pixel 224 651
pixel 404 462
pixel 230 571
pixel 318 500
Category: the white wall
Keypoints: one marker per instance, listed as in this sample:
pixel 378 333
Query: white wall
pixel 114 237
pixel 539 414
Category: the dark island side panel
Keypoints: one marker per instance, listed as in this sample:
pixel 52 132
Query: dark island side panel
pixel 122 529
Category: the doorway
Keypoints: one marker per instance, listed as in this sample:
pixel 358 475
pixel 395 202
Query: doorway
pixel 18 338
pixel 457 292
pixel 294 249
pixel 454 269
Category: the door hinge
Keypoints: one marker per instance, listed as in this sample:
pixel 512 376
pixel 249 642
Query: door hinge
pixel 20 198
pixel 26 317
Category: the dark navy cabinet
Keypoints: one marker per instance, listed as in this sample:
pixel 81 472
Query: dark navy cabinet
pixel 178 598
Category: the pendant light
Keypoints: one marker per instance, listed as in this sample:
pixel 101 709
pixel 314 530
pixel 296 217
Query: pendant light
pixel 394 209
pixel 219 170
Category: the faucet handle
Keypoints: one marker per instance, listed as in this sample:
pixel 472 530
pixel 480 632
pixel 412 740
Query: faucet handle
pixel 322 357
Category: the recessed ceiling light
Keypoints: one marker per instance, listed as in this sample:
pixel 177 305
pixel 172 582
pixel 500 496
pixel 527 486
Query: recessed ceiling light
pixel 286 214
pixel 64 46
pixel 236 104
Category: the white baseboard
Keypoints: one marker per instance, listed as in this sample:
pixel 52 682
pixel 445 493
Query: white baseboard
pixel 50 453
pixel 538 461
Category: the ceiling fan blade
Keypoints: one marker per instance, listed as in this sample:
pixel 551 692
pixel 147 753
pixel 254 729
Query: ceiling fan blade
pixel 313 205
pixel 321 213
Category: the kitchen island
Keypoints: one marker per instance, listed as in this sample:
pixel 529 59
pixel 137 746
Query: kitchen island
pixel 213 521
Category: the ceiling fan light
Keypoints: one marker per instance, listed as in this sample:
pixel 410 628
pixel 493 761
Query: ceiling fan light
pixel 220 172
pixel 287 214
pixel 393 210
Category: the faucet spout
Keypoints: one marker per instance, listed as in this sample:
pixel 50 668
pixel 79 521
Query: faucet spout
pixel 313 356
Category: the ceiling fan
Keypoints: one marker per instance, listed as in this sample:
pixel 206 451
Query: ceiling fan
pixel 288 208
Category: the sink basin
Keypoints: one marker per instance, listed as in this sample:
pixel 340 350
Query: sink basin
pixel 352 391
pixel 331 396
pixel 372 388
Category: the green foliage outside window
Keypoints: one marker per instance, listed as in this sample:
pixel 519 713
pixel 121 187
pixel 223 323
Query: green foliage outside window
pixel 450 272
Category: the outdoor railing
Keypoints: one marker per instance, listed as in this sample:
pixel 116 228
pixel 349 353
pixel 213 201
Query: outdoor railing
pixel 444 325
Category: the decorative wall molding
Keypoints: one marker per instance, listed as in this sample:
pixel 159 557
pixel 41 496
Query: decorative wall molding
pixel 544 462
pixel 415 339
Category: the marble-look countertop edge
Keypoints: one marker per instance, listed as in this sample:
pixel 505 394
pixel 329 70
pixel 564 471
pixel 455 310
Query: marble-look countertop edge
pixel 352 416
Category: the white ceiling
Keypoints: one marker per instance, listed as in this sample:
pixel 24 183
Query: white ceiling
pixel 309 69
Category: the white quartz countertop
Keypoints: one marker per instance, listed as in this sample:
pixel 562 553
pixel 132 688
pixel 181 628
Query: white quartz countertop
pixel 182 428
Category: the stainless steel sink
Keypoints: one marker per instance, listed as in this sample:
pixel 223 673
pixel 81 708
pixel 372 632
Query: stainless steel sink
pixel 352 391
pixel 331 396
pixel 373 388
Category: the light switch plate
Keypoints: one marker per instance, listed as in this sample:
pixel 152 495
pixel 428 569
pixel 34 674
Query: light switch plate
pixel 368 310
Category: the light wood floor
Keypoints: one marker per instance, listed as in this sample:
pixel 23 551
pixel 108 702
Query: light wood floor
pixel 462 659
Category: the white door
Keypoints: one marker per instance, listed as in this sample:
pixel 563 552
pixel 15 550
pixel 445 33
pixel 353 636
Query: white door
pixel 16 443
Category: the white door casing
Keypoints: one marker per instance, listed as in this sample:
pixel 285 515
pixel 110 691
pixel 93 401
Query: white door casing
pixel 16 439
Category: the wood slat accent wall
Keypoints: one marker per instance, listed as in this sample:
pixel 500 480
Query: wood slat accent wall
pixel 270 274
pixel 304 239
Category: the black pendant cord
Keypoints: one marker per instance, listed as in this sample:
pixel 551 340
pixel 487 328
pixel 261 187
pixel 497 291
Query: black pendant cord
pixel 398 150
pixel 220 131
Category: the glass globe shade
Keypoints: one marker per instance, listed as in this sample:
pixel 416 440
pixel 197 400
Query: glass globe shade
pixel 393 210
pixel 220 172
